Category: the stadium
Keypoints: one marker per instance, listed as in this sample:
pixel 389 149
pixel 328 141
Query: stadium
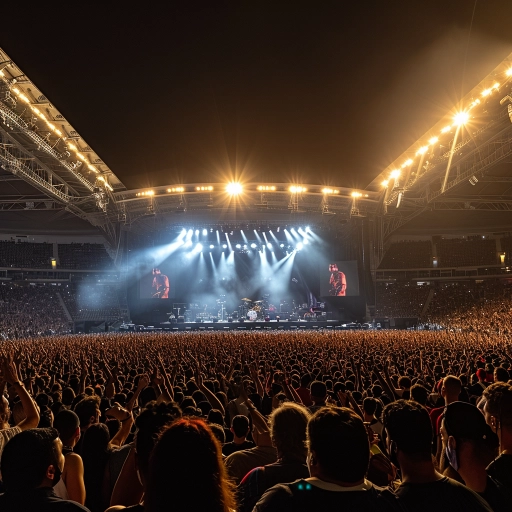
pixel 254 255
pixel 256 329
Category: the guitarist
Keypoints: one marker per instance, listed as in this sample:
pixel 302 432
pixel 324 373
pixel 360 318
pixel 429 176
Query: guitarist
pixel 337 281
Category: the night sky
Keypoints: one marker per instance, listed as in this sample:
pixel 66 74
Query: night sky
pixel 313 92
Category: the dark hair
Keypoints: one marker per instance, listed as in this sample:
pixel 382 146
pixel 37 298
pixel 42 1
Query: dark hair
pixel 318 389
pixel 502 374
pixel 66 422
pixel 408 425
pixel 288 424
pixel 149 423
pixel 340 441
pixel 370 405
pixel 26 458
pixel 188 457
pixel 419 394
pixel 87 408
pixel 240 425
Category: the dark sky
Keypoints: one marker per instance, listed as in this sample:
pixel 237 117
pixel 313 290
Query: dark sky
pixel 314 92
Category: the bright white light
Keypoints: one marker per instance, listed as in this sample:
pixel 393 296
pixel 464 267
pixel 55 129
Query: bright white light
pixel 253 246
pixel 305 241
pixel 212 246
pixel 299 246
pixel 308 229
pixel 245 246
pixel 238 246
pixel 394 174
pixel 198 248
pixel 281 245
pixel 205 232
pixel 269 245
pixel 197 232
pixel 234 188
pixel 461 118
pixel 188 243
pixel 224 246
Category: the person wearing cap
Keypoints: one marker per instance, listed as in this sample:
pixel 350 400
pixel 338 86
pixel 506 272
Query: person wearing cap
pixel 498 415
pixel 71 485
pixel 32 464
pixel 469 446
pixel 479 386
pixel 409 442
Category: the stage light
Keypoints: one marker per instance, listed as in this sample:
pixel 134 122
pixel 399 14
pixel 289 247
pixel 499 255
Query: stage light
pixel 394 174
pixel 508 72
pixel 356 194
pixel 433 140
pixel 385 183
pixel 305 241
pixel 297 189
pixel 198 248
pixel 269 245
pixel 205 232
pixel 299 246
pixel 238 246
pixel 446 129
pixel 281 245
pixel 188 243
pixel 422 150
pixel 224 246
pixel 212 246
pixel 407 163
pixel 234 188
pixel 197 232
pixel 253 246
pixel 461 118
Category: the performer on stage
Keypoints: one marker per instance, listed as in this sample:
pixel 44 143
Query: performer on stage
pixel 160 284
pixel 337 281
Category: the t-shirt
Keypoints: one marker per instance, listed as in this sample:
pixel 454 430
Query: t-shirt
pixel 38 500
pixel 240 463
pixel 500 469
pixel 442 495
pixel 308 496
pixel 257 481
pixel 229 448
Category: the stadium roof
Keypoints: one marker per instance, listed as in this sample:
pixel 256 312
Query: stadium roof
pixel 52 181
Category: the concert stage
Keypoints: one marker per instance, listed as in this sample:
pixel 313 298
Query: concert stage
pixel 285 325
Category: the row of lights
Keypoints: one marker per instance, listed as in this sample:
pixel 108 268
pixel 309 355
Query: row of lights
pixel 234 188
pixel 459 119
pixel 56 131
pixel 245 247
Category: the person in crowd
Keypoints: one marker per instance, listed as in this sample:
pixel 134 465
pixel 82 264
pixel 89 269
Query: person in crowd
pixel 88 412
pixel 477 388
pixel 132 483
pixel 241 462
pixel 97 450
pixel 498 415
pixel 409 439
pixel 288 425
pixel 470 445
pixel 10 375
pixel 32 464
pixel 240 428
pixel 338 458
pixel 318 396
pixel 186 468
pixel 71 485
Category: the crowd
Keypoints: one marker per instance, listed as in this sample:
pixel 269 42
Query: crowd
pixel 314 420
pixel 27 311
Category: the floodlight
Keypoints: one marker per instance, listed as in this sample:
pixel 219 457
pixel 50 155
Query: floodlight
pixel 253 246
pixel 461 118
pixel 299 246
pixel 394 174
pixel 238 246
pixel 205 232
pixel 234 188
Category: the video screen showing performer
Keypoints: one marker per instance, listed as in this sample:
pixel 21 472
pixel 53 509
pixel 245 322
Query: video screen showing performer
pixel 160 285
pixel 337 282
